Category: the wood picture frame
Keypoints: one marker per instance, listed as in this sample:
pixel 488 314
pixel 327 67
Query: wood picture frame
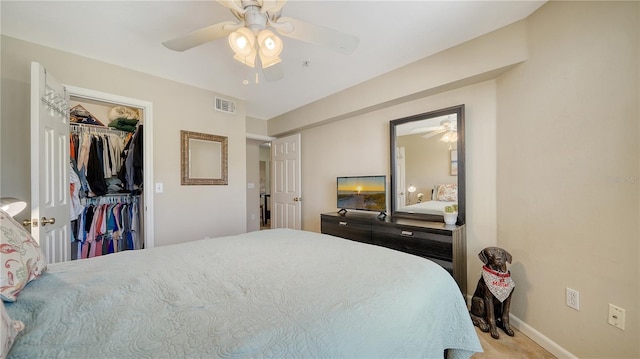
pixel 203 159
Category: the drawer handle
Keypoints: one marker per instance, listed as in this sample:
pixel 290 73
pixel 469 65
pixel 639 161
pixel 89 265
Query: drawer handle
pixel 406 233
pixel 342 223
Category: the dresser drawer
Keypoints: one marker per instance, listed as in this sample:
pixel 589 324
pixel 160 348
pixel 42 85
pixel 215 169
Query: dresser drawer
pixel 345 228
pixel 421 243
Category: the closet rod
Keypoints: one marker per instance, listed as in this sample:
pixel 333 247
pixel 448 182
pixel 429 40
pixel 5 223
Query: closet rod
pixel 79 127
pixel 110 198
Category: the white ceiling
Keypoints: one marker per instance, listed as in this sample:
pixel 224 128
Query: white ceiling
pixel 129 33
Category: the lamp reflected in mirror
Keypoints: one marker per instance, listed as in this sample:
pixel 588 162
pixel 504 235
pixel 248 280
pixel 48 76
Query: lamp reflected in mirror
pixel 411 189
pixel 12 206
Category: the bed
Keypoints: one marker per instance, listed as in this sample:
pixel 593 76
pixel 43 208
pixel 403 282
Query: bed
pixel 442 195
pixel 427 207
pixel 275 293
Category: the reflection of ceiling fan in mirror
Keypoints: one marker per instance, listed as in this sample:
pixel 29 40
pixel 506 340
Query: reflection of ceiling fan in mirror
pixel 447 127
pixel 254 43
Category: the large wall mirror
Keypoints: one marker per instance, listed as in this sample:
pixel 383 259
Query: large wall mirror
pixel 427 164
pixel 203 158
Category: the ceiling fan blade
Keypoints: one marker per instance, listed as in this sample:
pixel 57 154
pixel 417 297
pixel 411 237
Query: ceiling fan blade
pixel 273 72
pixel 426 129
pixel 272 6
pixel 316 34
pixel 232 4
pixel 431 134
pixel 201 36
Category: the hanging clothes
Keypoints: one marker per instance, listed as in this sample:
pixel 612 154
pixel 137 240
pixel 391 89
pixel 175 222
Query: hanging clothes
pixel 104 209
pixel 74 191
pixel 95 171
pixel 108 225
pixel 96 156
pixel 131 173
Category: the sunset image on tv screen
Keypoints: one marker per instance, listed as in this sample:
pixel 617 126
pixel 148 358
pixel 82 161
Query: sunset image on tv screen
pixel 362 193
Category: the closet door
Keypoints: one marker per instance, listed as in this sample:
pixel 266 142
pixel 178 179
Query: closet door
pixel 50 211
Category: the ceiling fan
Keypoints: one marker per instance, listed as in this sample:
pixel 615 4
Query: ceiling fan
pixel 252 40
pixel 447 126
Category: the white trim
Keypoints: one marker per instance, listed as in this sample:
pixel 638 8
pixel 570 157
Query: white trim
pixel 540 339
pixel 253 136
pixel 551 346
pixel 147 120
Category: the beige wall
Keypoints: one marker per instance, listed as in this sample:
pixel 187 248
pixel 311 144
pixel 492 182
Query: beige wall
pixel 182 213
pixel 256 126
pixel 559 131
pixel 256 133
pixel 428 163
pixel 552 161
pixel 360 146
pixel 253 185
pixel 265 156
pixel 568 154
pixel 472 62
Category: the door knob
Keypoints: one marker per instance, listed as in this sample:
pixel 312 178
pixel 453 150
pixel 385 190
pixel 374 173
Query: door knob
pixel 28 223
pixel 297 199
pixel 46 221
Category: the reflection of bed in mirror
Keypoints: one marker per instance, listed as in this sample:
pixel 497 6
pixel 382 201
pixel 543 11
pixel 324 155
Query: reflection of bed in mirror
pixel 428 207
pixel 442 195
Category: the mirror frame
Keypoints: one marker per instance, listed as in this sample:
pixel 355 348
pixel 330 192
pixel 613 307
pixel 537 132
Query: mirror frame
pixel 457 110
pixel 185 136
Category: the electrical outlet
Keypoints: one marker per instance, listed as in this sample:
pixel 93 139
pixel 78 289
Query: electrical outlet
pixel 573 298
pixel 616 316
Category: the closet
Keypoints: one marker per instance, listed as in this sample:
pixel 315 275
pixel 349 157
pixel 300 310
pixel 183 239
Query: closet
pixel 106 178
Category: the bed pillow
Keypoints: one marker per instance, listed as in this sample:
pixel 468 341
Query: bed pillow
pixel 9 330
pixel 448 193
pixel 20 257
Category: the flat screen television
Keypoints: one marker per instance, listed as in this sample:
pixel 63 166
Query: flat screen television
pixel 365 193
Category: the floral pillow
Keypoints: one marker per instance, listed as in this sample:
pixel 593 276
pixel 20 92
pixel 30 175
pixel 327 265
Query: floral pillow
pixel 20 258
pixel 9 330
pixel 448 192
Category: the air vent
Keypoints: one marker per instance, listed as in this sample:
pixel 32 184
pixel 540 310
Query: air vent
pixel 225 105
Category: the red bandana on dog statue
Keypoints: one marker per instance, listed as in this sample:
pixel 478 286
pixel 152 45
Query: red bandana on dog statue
pixel 500 284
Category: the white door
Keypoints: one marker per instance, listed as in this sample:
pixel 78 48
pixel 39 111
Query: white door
pixel 50 212
pixel 401 198
pixel 286 196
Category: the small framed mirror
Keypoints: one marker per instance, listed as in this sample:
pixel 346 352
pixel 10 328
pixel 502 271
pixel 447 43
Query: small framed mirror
pixel 203 158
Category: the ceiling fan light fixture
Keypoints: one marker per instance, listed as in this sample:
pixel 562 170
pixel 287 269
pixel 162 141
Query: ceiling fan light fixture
pixel 242 42
pixel 249 60
pixel 268 61
pixel 450 136
pixel 270 44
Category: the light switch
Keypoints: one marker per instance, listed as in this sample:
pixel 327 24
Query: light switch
pixel 250 185
pixel 159 188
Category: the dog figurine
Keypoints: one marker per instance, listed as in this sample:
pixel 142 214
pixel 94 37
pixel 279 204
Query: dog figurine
pixel 491 301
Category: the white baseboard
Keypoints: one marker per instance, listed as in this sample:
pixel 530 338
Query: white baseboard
pixel 548 344
pixel 551 346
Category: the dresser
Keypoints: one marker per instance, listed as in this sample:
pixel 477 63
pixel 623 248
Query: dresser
pixel 443 244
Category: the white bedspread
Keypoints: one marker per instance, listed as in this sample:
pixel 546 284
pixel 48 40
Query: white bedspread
pixel 276 293
pixel 428 207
